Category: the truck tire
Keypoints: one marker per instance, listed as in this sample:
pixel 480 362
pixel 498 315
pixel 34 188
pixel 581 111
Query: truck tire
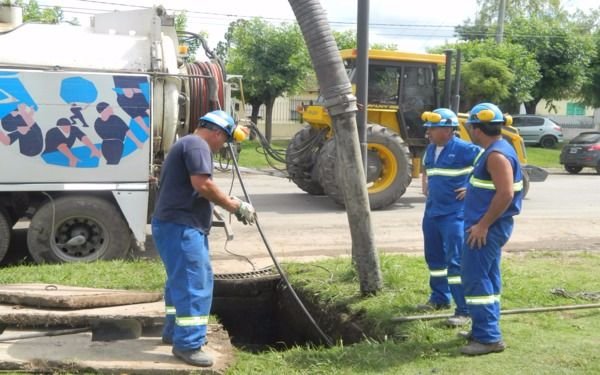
pixel 5 232
pixel 301 156
pixel 95 221
pixel 388 172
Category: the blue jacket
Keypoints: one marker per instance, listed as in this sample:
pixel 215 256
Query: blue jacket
pixel 450 172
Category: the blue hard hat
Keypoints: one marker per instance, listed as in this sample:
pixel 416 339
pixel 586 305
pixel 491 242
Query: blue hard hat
pixel 441 117
pixel 222 119
pixel 485 113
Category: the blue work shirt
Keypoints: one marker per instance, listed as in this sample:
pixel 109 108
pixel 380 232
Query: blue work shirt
pixel 446 174
pixel 178 201
pixel 481 189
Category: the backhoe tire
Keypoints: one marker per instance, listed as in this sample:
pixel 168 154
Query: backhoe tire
pixel 5 232
pixel 99 221
pixel 301 158
pixel 388 173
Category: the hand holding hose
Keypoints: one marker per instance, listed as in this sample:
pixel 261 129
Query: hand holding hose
pixel 245 212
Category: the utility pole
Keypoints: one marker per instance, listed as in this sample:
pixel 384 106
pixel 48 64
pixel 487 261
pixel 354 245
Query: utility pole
pixel 362 76
pixel 500 28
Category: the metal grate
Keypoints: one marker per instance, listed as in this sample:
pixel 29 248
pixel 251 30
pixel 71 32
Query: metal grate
pixel 264 273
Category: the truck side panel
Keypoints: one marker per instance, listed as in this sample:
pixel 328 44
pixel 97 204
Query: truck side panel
pixel 70 127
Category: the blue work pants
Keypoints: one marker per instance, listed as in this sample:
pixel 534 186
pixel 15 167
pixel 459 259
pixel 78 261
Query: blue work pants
pixel 189 286
pixel 443 245
pixel 483 283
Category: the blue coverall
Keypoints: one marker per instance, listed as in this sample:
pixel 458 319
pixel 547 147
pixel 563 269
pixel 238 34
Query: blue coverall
pixel 481 266
pixel 180 226
pixel 443 219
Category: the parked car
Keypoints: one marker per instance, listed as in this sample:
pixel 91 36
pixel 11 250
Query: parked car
pixel 582 151
pixel 538 130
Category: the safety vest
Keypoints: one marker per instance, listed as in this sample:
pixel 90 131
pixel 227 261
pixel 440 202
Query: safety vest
pixel 481 189
pixel 448 173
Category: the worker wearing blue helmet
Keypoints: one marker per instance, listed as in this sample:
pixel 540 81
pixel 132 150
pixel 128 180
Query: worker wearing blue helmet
pixel 494 196
pixel 447 163
pixel 180 226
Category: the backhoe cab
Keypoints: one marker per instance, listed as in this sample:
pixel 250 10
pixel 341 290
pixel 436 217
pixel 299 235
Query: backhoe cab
pixel 401 87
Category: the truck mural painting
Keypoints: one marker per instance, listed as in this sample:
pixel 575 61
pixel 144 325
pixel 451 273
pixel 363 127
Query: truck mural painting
pixel 103 99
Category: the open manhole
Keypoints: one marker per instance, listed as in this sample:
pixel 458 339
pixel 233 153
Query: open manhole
pixel 259 312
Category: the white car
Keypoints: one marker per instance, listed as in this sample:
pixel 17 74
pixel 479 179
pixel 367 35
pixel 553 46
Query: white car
pixel 538 130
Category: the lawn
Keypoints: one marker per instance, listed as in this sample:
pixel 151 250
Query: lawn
pixel 550 343
pixel 252 154
pixel 544 157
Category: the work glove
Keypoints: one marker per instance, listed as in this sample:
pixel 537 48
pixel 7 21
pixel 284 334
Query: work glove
pixel 245 212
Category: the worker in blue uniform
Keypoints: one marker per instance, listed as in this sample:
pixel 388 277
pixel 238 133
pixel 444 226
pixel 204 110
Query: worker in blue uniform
pixel 447 164
pixel 494 196
pixel 180 226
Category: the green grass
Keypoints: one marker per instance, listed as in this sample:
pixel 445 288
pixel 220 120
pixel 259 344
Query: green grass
pixel 252 155
pixel 544 157
pixel 550 343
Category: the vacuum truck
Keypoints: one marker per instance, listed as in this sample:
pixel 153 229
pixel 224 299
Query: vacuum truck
pixel 87 114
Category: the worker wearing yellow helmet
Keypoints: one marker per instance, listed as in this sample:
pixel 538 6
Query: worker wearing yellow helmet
pixel 494 196
pixel 447 164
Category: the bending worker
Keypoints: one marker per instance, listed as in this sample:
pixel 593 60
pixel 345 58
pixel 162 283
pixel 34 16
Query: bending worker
pixel 447 163
pixel 180 226
pixel 494 196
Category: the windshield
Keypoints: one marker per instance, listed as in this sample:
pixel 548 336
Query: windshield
pixel 586 138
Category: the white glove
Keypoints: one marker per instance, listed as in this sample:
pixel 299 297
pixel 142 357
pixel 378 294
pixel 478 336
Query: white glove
pixel 245 212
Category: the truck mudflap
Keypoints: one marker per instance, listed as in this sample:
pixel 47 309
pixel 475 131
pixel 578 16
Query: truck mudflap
pixel 536 174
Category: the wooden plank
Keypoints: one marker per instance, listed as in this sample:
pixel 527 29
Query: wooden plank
pixel 71 297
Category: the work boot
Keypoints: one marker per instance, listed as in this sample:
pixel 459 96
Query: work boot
pixel 195 357
pixel 458 321
pixel 467 335
pixel 432 306
pixel 167 340
pixel 477 348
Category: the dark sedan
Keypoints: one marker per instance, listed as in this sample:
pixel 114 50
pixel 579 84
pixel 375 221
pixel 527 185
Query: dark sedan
pixel 582 151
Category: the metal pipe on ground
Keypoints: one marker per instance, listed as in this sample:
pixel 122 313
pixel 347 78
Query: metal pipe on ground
pixel 402 319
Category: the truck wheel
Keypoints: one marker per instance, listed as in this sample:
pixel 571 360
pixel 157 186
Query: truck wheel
pixel 78 229
pixel 548 142
pixel 388 168
pixel 573 169
pixel 5 232
pixel 301 156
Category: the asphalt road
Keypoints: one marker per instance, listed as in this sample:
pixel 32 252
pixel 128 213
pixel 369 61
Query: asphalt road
pixel 562 213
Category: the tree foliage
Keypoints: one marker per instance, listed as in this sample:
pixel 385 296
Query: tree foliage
pixel 590 91
pixel 32 12
pixel 520 63
pixel 485 79
pixel 273 60
pixel 562 53
pixel 560 43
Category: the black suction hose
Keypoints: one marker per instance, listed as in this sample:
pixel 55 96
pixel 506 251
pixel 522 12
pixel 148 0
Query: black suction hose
pixel 326 338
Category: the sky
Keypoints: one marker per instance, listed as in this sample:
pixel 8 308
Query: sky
pixel 411 25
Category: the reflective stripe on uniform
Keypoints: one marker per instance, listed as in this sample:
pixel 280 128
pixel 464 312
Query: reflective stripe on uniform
pixel 188 321
pixel 487 184
pixel 478 156
pixel 454 280
pixel 438 273
pixel 450 172
pixel 170 310
pixel 482 300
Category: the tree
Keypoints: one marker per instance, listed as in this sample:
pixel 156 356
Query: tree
pixel 521 63
pixel 273 60
pixel 562 52
pixel 33 13
pixel 590 91
pixel 485 79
